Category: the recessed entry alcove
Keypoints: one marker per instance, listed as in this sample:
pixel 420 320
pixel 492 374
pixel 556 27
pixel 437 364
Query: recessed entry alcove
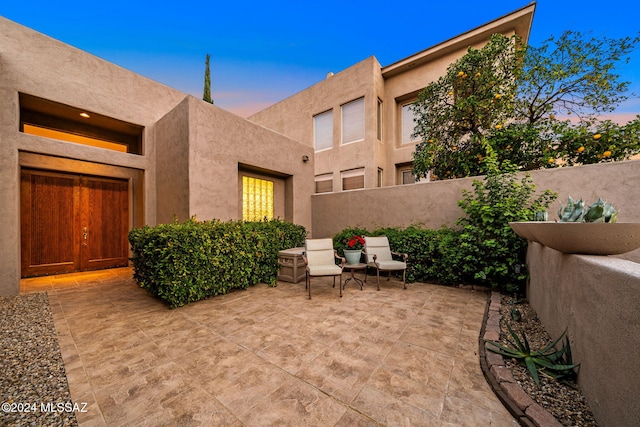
pixel 43 117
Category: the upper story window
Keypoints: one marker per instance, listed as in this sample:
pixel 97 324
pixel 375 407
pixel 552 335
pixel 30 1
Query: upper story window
pixel 353 121
pixel 352 179
pixel 323 130
pixel 408 124
pixel 324 183
pixel 42 117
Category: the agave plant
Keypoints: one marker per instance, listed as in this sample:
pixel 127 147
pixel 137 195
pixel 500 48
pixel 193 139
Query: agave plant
pixel 574 211
pixel 555 363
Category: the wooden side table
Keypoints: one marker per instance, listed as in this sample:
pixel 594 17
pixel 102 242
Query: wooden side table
pixel 353 268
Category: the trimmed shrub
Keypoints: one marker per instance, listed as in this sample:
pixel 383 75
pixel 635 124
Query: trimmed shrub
pixel 185 262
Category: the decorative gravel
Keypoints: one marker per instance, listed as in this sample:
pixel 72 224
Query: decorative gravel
pixel 566 403
pixel 33 383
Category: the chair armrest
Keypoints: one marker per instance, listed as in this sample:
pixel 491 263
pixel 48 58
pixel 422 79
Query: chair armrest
pixel 404 257
pixel 304 258
pixel 343 260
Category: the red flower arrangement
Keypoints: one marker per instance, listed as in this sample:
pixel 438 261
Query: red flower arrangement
pixel 355 243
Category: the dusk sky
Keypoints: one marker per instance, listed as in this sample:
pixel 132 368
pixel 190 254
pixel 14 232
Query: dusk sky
pixel 263 52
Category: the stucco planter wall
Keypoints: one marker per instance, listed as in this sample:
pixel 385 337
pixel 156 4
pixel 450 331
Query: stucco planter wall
pixel 597 299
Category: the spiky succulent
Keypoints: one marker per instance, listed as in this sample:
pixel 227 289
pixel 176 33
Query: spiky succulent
pixel 600 211
pixel 552 362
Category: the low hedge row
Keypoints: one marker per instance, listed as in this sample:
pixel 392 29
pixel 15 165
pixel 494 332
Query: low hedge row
pixel 189 261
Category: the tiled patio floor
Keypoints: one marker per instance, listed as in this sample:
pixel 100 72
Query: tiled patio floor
pixel 269 356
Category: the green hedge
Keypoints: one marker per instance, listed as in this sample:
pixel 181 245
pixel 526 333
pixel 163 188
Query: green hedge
pixel 432 253
pixel 185 262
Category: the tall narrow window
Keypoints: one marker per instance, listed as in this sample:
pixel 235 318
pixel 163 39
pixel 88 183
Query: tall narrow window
pixel 379 123
pixel 323 130
pixel 352 179
pixel 353 121
pixel 257 199
pixel 324 183
pixel 408 124
pixel 379 177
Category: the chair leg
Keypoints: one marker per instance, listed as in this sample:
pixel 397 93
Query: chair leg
pixel 308 283
pixel 404 279
pixel 389 276
pixel 378 276
pixel 334 278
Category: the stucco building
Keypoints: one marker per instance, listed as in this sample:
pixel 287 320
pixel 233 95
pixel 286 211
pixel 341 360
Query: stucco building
pixel 358 120
pixel 90 150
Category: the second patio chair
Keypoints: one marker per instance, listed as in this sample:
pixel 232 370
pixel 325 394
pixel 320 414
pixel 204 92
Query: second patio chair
pixel 319 258
pixel 379 256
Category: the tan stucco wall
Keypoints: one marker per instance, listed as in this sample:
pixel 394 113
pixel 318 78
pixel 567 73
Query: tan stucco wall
pixel 596 299
pixel 218 143
pixel 293 117
pixel 435 203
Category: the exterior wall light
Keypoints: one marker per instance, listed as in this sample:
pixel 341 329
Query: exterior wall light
pixel 305 158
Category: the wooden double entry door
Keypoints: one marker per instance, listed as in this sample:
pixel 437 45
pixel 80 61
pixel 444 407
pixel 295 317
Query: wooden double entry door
pixel 72 222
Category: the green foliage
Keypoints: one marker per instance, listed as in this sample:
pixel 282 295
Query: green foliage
pixel 207 81
pixel 190 261
pixel 454 113
pixel 555 363
pixel 510 99
pixel 491 250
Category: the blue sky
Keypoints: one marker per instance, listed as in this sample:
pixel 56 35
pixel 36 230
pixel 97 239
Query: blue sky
pixel 263 52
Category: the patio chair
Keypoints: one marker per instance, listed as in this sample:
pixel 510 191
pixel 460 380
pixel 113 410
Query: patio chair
pixel 319 259
pixel 379 256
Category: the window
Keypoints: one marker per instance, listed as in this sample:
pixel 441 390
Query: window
pixel 408 124
pixel 353 121
pixel 379 123
pixel 324 183
pixel 379 177
pixel 323 130
pixel 352 179
pixel 408 177
pixel 49 119
pixel 257 199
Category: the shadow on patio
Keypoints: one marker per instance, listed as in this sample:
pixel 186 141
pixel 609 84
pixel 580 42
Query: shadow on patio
pixel 268 356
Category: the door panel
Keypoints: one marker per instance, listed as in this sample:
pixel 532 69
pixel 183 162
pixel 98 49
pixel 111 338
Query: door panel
pixel 105 220
pixel 50 214
pixel 72 223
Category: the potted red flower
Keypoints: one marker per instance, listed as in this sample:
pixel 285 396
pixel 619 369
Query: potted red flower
pixel 353 249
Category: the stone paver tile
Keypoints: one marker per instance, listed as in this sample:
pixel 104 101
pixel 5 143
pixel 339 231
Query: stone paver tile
pixel 336 373
pixel 424 366
pixel 140 394
pixel 468 383
pixel 388 410
pixel 459 412
pixel 432 339
pixel 291 352
pixel 294 403
pixel 354 419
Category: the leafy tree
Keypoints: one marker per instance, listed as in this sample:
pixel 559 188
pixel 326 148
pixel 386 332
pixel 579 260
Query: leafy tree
pixel 457 111
pixel 207 81
pixel 514 103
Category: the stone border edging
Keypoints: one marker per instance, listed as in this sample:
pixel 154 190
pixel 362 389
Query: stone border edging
pixel 525 410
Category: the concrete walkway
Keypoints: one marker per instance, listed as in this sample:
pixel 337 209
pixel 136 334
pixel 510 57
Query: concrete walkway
pixel 269 356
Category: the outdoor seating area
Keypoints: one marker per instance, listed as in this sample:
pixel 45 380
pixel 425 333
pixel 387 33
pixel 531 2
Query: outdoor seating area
pixel 268 355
